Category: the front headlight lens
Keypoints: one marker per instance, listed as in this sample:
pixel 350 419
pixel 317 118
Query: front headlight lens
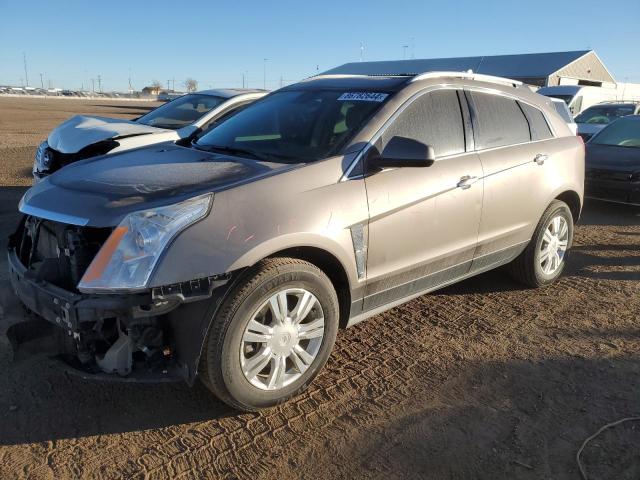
pixel 128 257
pixel 43 158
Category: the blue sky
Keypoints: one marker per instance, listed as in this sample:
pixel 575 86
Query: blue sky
pixel 71 41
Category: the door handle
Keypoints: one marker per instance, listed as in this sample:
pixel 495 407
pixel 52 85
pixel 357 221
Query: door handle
pixel 540 158
pixel 466 181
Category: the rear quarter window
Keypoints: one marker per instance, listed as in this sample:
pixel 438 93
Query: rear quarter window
pixel 499 121
pixel 539 127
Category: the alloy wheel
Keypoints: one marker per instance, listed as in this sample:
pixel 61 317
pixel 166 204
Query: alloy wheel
pixel 282 339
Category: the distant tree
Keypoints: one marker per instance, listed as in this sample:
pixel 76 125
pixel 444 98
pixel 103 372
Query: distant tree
pixel 191 84
pixel 157 85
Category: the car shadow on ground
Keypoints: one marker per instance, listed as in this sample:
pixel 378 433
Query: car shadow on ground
pixel 520 419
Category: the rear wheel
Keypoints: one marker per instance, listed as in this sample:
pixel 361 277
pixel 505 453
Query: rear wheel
pixel 272 335
pixel 544 259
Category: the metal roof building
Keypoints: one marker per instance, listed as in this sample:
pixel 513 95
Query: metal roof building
pixel 582 67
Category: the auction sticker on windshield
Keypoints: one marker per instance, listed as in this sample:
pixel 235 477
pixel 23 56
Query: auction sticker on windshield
pixel 363 96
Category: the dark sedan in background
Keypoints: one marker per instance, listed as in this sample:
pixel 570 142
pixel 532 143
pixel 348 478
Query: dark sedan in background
pixel 613 162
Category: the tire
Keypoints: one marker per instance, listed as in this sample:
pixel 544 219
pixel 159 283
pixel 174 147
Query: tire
pixel 528 267
pixel 226 346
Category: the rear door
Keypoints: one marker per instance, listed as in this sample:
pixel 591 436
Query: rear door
pixel 424 222
pixel 510 137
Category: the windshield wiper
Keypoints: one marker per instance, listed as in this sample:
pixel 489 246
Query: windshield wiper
pixel 232 151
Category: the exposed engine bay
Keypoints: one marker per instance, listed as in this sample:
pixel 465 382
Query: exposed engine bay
pixel 130 335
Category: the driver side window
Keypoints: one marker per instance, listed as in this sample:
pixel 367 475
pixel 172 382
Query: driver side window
pixel 434 119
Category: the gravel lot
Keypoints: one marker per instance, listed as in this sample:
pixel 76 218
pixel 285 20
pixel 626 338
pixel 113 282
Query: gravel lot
pixel 484 379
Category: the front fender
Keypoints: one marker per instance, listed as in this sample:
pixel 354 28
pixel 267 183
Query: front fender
pixel 303 207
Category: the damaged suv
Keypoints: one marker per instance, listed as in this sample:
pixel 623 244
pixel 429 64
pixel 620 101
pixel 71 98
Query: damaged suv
pixel 238 258
pixel 182 120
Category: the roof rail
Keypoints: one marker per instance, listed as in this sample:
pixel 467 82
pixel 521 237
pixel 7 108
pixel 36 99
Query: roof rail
pixel 469 75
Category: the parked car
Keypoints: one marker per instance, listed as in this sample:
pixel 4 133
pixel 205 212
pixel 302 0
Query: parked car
pixel 578 98
pixel 83 137
pixel 595 118
pixel 613 162
pixel 563 111
pixel 238 258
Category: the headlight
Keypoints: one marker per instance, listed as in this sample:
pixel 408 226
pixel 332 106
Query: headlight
pixel 128 257
pixel 43 158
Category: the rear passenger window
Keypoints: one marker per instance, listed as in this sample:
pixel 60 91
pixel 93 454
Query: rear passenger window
pixel 434 119
pixel 499 121
pixel 539 127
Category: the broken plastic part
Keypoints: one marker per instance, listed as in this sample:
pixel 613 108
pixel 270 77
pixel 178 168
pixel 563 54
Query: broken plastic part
pixel 119 358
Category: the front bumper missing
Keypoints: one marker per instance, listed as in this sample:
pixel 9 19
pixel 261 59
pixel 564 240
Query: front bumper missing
pixel 69 316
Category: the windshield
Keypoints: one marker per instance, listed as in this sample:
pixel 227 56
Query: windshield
pixel 623 133
pixel 296 126
pixel 604 114
pixel 181 112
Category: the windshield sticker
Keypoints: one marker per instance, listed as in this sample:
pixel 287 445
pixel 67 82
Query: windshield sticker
pixel 363 97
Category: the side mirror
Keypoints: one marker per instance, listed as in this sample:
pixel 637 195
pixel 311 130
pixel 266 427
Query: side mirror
pixel 405 152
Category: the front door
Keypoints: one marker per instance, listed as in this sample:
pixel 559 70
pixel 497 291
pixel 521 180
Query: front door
pixel 424 221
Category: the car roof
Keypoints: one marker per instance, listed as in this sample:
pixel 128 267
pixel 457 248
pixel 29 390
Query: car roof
pixel 618 103
pixel 343 82
pixel 229 92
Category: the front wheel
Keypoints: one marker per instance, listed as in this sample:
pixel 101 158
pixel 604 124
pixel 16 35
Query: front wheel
pixel 544 259
pixel 272 335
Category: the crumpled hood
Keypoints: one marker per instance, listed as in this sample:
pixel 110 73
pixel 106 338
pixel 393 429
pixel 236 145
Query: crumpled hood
pixel 80 131
pixel 101 191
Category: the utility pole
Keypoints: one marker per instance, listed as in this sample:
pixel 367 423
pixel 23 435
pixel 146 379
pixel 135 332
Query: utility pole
pixel 264 74
pixel 99 83
pixel 243 80
pixel 26 75
pixel 41 82
pixel 173 84
pixel 93 85
pixel 168 87
pixel 404 51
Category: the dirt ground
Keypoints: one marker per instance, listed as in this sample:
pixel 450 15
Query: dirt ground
pixel 481 380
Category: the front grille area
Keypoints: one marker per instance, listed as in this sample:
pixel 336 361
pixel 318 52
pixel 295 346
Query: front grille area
pixel 59 160
pixel 56 252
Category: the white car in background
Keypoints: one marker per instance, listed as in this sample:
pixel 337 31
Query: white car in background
pixel 565 113
pixel 184 118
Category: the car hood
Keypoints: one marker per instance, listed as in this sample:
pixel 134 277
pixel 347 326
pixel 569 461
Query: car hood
pixel 81 131
pixel 101 191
